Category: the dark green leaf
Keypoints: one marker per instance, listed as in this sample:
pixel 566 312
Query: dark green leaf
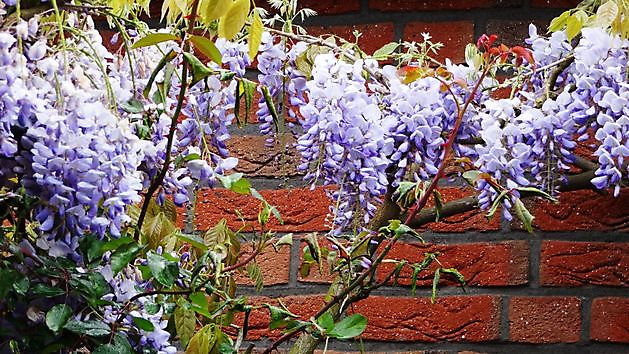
pixel 350 327
pixel 21 285
pixel 115 243
pixel 154 38
pixel 58 316
pixel 123 255
pixel 199 70
pixel 164 271
pixel 46 291
pixel 144 324
pixel 538 192
pixel 268 99
pixel 92 328
pixel 119 346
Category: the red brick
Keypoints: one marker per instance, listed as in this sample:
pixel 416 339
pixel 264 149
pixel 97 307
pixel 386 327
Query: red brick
pixel 555 3
pixel 565 263
pixel 609 320
pixel 323 7
pixel 413 5
pixel 583 210
pixel 373 36
pixel 482 264
pixel 474 220
pixel 452 318
pixel 255 159
pixel 112 47
pixel 545 319
pixel 274 265
pixel 453 35
pixel 300 208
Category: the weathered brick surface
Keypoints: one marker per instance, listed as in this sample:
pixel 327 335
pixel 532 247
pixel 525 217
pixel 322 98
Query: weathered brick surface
pixel 300 208
pixel 565 263
pixel 451 318
pixel 373 36
pixel 482 264
pixel 412 5
pixel 275 266
pixel 255 159
pixel 609 320
pixel 454 35
pixel 583 210
pixel 512 33
pixel 545 319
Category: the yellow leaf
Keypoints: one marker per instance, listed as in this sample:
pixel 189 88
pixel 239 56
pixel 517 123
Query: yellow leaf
pixel 255 34
pixel 606 14
pixel 573 27
pixel 210 10
pixel 232 21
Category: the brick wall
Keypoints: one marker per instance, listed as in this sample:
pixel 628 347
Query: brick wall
pixel 562 288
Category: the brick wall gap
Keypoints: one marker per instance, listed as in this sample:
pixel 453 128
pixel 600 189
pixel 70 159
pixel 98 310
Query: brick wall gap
pixel 293 265
pixel 504 318
pixel 586 316
pixel 476 348
pixel 534 258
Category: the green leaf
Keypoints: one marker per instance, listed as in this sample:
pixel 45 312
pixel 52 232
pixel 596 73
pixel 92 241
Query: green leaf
pixel 350 327
pixel 164 271
pixel 255 274
pixel 123 255
pixel 116 243
pixel 119 346
pixel 472 176
pixel 284 240
pixel 208 48
pixel 199 70
pixel 143 324
pixel 21 285
pixel 255 34
pixel 268 99
pixel 438 203
pixel 383 52
pixel 246 88
pixel 92 328
pixel 160 65
pixel 435 285
pixel 58 316
pixel 194 240
pixel 496 203
pixel 241 186
pixel 132 106
pixel 46 291
pixel 154 38
pixel 524 215
pixel 279 316
pixel 234 19
pixel 455 273
pixel 91 248
pixel 185 322
pixel 536 191
pixel 326 321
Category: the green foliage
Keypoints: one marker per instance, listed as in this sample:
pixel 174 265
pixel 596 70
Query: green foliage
pixel 349 327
